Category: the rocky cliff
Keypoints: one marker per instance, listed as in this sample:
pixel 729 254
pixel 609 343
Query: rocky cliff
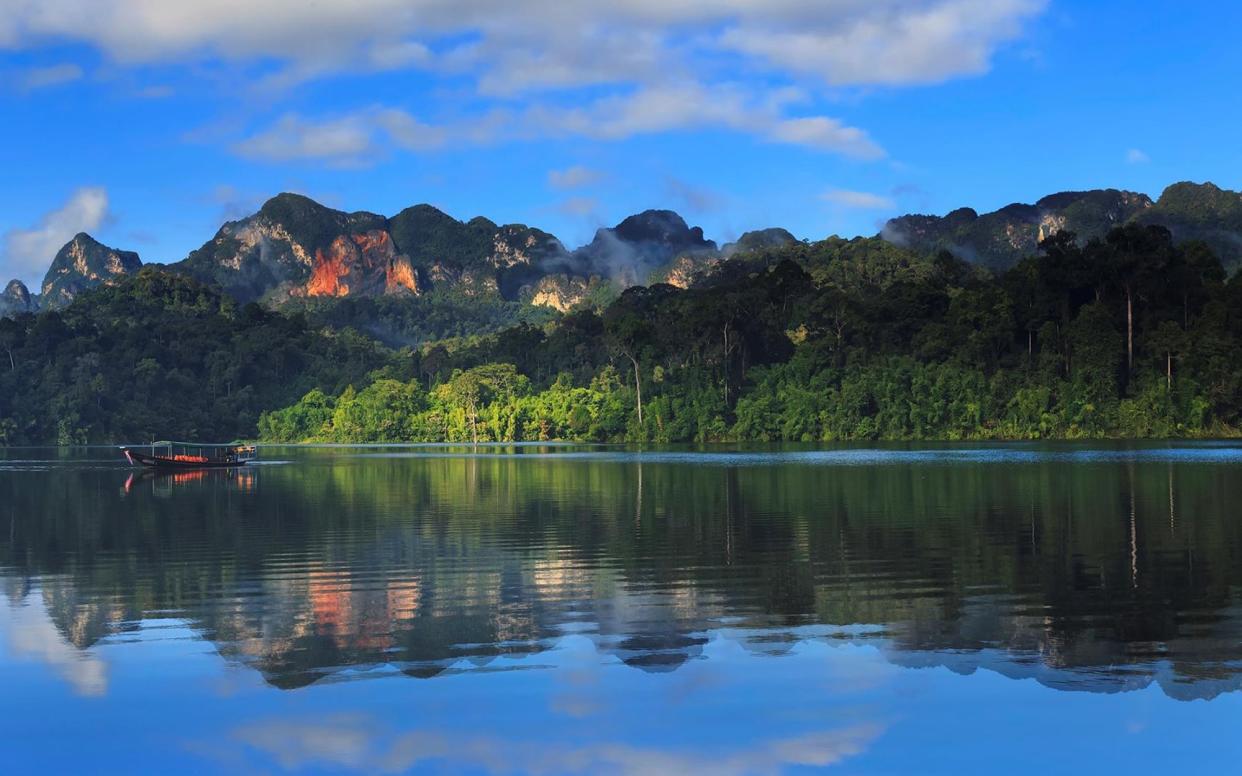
pixel 16 299
pixel 294 247
pixel 761 239
pixel 84 263
pixel 999 239
pixel 1202 212
pixel 630 252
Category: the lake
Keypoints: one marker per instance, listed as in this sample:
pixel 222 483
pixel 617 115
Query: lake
pixel 559 609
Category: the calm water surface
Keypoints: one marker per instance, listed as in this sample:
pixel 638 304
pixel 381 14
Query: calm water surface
pixel 1015 608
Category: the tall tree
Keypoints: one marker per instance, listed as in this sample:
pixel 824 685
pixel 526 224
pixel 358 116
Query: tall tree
pixel 1136 258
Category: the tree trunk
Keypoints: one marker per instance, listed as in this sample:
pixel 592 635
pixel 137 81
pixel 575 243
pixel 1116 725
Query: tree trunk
pixel 1129 331
pixel 12 363
pixel 725 364
pixel 638 388
pixel 1168 371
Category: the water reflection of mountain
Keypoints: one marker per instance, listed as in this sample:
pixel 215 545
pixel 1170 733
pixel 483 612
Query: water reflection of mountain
pixel 1091 576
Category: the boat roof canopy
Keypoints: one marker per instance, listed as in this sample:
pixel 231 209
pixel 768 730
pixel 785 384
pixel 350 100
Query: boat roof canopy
pixel 166 443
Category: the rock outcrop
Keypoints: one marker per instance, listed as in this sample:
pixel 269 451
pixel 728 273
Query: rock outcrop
pixel 365 264
pixel 997 240
pixel 296 248
pixel 639 247
pixel 1202 212
pixel 16 299
pixel 82 264
pixel 562 292
pixel 761 239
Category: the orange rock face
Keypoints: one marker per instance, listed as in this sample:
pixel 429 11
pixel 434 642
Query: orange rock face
pixel 400 276
pixel 361 264
pixel 327 276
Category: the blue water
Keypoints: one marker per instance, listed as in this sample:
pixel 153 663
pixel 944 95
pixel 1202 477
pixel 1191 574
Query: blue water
pixel 946 609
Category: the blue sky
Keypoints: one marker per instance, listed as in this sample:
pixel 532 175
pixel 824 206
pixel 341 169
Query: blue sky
pixel 148 123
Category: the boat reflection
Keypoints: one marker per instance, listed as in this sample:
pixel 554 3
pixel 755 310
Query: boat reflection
pixel 161 482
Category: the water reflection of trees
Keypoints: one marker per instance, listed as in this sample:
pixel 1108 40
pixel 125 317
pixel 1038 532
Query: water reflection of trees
pixel 1098 576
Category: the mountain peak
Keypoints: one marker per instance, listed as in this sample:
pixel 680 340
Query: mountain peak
pixel 760 239
pixel 641 244
pixel 1201 203
pixel 288 201
pixel 16 299
pixel 661 226
pixel 84 240
pixel 1002 237
pixel 84 263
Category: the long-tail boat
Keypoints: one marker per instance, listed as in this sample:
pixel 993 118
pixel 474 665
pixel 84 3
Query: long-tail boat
pixel 189 455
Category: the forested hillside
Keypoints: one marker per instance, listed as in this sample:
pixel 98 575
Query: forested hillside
pixel 161 355
pixel 1126 335
pixel 1129 334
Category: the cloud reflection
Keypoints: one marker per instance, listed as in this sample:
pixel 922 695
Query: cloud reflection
pixel 31 636
pixel 357 742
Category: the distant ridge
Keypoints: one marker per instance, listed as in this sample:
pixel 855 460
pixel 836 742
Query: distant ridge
pixel 999 239
pixel 296 248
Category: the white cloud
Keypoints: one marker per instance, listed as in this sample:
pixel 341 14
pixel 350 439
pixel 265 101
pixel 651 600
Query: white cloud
pixel 857 200
pixel 543 43
pixel 650 66
pixel 343 141
pixel 643 51
pixel 826 134
pixel 54 75
pixel 29 252
pixel 361 137
pixel 888 43
pixel 1135 156
pixel 352 140
pixel 575 177
pixel 686 106
pixel 409 133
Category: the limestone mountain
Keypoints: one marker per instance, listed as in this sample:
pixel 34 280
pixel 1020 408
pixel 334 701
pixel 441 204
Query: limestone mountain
pixel 1201 212
pixel 654 246
pixel 295 247
pixel 84 263
pixel 760 239
pixel 639 245
pixel 696 266
pixel 999 239
pixel 475 256
pixel 16 299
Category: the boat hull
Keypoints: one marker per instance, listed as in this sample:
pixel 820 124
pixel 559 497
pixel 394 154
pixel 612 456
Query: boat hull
pixel 160 462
